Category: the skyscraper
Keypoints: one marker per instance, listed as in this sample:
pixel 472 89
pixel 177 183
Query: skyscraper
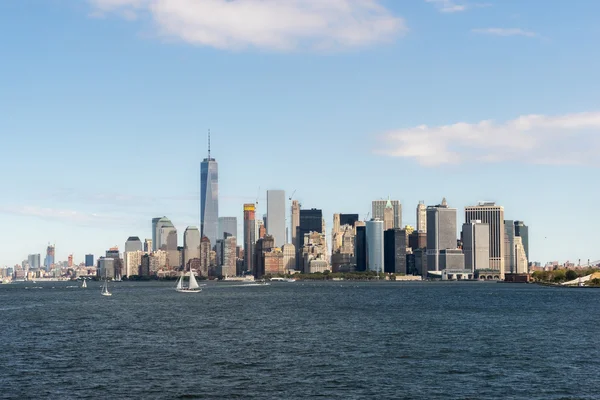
pixel 157 225
pixel 476 245
pixel 89 260
pixel 378 210
pixel 133 243
pixel 132 261
pixel 34 261
pixel 493 215
pixel 191 245
pixel 49 260
pixel 276 216
pixel 421 217
pixel 441 233
pixel 295 222
pixel 227 225
pixel 522 231
pixel 360 247
pixel 348 219
pixel 375 254
pixel 249 236
pixel 515 256
pixel 155 230
pixel 148 246
pixel 395 243
pixel 388 216
pixel 209 197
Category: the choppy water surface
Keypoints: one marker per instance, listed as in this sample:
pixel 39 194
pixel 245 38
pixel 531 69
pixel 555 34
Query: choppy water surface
pixel 340 340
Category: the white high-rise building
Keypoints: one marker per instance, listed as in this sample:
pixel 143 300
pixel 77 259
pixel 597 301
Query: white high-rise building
pixel 276 216
pixel 374 233
pixel 421 217
pixel 493 215
pixel 476 245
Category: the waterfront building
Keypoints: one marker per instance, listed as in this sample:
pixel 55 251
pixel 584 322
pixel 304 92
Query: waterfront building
pixel 263 245
pixel 360 247
pixel 276 216
pixel 493 215
pixel 375 253
pixel 515 258
pixel 35 261
pixel 378 211
pixel 452 259
pixel 209 197
pixel 441 232
pixel 314 248
pixel 205 256
pixel 289 257
pixel 227 225
pixel 191 245
pixel 228 250
pixel 522 231
pixel 476 245
pixel 106 268
pixel 133 260
pixel 273 261
pixel 421 217
pixel 145 265
pixel 295 222
pixel 249 236
pixel 395 243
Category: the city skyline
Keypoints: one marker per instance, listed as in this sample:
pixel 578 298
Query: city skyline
pixel 475 127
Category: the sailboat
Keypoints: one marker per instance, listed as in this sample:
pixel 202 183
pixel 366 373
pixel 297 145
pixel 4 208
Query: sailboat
pixel 118 278
pixel 192 286
pixel 84 285
pixel 105 291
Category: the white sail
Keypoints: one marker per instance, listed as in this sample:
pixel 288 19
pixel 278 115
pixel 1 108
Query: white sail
pixel 193 284
pixel 84 284
pixel 180 282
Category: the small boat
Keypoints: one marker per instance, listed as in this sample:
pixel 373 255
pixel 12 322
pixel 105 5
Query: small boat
pixel 118 278
pixel 192 286
pixel 84 285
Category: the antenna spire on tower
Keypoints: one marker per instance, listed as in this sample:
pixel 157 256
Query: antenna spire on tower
pixel 209 144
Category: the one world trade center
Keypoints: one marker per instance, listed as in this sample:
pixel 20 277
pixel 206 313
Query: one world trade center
pixel 209 197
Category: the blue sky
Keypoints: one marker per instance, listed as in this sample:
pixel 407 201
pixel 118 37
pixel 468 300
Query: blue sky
pixel 106 104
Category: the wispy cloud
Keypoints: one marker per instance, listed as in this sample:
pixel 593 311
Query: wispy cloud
pixel 571 139
pixel 505 32
pixel 265 24
pixel 64 215
pixel 448 6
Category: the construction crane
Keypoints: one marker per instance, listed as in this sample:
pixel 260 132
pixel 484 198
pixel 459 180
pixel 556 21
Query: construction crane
pixel 292 196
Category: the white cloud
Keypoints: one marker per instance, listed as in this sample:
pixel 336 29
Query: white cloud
pixel 448 6
pixel 572 139
pixel 281 25
pixel 505 32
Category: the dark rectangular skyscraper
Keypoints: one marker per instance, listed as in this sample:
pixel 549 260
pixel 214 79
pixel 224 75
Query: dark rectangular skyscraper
pixel 360 248
pixel 441 233
pixel 394 251
pixel 348 219
pixel 209 197
pixel 89 260
pixel 310 221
